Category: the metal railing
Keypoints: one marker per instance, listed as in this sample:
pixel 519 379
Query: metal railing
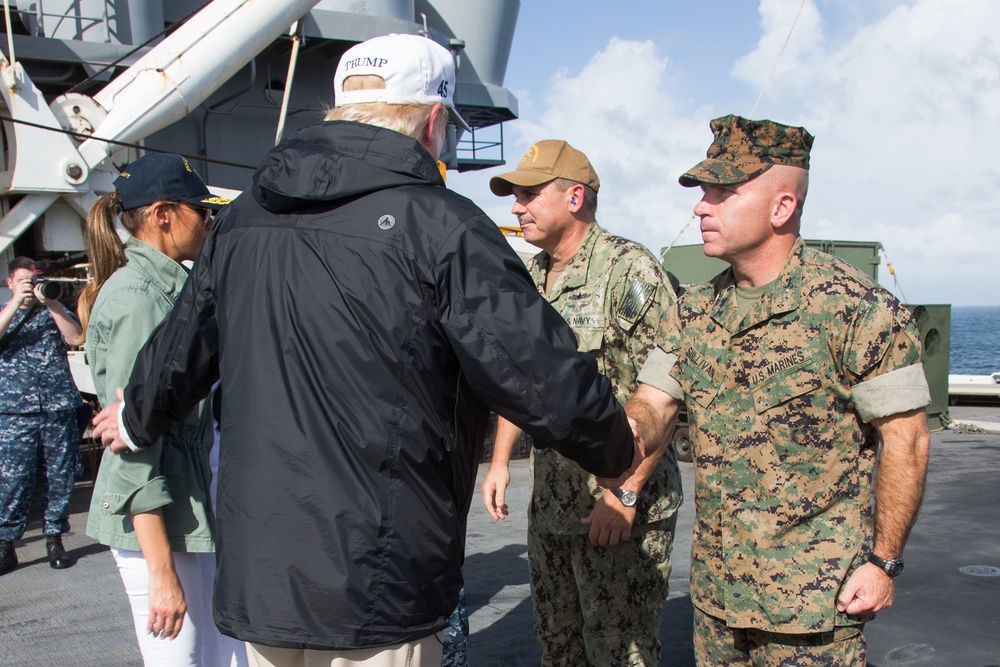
pixel 80 19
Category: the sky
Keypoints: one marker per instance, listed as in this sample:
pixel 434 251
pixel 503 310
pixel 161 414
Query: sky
pixel 903 98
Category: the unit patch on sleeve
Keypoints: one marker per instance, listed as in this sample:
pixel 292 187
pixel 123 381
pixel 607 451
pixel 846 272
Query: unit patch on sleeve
pixel 637 298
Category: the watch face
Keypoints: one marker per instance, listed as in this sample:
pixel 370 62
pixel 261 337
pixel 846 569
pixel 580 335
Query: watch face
pixel 628 498
pixel 892 566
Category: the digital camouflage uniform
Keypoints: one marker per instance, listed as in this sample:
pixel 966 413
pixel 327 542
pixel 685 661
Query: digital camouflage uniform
pixel 38 427
pixel 455 638
pixel 599 605
pixel 779 404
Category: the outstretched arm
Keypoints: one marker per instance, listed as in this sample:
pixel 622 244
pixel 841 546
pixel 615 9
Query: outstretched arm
pixel 537 380
pixel 654 411
pixel 173 370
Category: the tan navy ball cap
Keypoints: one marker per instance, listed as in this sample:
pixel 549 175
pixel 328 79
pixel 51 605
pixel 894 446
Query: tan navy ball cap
pixel 546 161
pixel 745 148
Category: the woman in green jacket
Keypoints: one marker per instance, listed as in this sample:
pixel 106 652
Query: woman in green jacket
pixel 152 507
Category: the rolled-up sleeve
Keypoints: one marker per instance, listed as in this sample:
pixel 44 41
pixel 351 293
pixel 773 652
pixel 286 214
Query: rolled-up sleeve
pixel 657 372
pixel 882 352
pixel 891 393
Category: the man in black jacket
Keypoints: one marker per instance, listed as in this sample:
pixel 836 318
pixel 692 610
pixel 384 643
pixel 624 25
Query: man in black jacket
pixel 363 320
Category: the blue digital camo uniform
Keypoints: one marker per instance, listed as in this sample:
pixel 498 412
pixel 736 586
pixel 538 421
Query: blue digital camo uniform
pixel 38 428
pixel 455 638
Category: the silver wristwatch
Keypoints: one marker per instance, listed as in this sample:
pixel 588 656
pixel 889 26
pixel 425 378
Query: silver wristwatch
pixel 628 498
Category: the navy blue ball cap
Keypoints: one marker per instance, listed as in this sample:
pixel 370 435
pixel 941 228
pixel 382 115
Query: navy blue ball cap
pixel 164 177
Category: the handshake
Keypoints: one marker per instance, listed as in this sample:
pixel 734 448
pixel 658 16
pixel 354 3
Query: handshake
pixel 637 458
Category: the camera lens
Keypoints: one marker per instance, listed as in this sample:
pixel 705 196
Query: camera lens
pixel 49 289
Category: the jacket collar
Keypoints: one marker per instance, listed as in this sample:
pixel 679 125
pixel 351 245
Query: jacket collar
pixel 336 160
pixel 784 296
pixel 167 275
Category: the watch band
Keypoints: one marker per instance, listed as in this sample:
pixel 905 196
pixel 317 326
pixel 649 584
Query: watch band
pixel 891 566
pixel 627 498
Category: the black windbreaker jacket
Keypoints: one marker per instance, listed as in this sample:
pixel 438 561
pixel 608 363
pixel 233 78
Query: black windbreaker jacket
pixel 363 319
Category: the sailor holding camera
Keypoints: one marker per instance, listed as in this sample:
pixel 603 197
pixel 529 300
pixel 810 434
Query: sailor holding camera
pixel 38 417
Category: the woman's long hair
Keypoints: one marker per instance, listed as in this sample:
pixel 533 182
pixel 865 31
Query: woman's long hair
pixel 104 247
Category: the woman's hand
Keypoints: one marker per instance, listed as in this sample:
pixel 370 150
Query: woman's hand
pixel 166 596
pixel 166 605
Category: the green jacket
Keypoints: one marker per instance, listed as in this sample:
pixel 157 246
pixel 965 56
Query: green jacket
pixel 173 473
pixel 615 295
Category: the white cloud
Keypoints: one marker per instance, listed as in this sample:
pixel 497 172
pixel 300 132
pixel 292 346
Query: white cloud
pixel 905 108
pixel 904 112
pixel 615 110
pixel 789 29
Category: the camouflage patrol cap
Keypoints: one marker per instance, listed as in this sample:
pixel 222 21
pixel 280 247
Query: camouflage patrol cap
pixel 744 149
pixel 546 161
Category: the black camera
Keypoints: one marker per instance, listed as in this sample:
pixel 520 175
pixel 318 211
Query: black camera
pixel 49 289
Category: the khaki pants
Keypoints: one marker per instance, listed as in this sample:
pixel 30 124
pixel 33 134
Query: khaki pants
pixel 424 652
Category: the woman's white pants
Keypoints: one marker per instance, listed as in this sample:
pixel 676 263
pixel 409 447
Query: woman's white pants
pixel 199 644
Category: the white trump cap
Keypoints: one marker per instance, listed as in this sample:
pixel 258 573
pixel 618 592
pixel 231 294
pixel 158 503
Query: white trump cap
pixel 416 70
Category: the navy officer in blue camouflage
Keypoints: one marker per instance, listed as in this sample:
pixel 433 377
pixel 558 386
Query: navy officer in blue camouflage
pixel 38 402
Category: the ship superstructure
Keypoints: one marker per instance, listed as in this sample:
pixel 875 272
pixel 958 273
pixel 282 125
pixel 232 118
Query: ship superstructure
pixel 89 84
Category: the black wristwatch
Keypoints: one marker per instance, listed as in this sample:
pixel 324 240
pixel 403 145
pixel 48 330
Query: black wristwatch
pixel 628 498
pixel 892 566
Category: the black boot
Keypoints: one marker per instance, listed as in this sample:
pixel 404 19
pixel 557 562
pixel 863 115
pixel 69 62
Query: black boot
pixel 8 557
pixel 58 559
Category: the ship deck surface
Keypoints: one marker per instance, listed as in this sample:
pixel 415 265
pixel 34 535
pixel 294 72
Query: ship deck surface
pixel 946 612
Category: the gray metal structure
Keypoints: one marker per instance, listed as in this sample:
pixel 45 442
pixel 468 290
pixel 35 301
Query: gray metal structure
pixel 81 46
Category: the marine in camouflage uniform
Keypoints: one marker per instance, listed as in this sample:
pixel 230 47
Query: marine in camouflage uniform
pixel 596 601
pixel 789 385
pixel 38 424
